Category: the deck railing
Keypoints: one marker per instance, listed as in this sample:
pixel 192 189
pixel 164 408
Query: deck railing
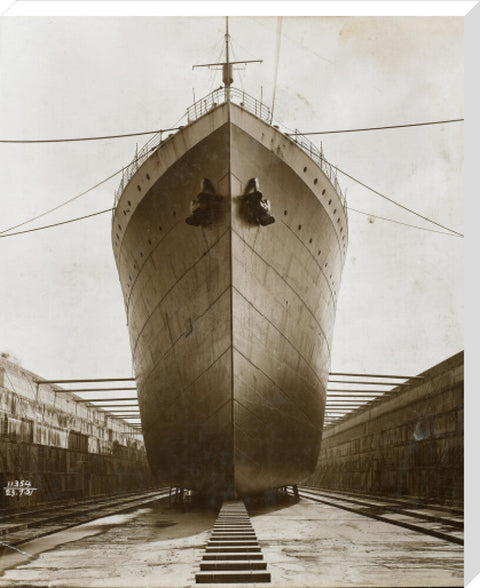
pixel 252 105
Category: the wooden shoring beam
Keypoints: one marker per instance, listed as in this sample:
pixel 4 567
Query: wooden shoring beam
pixel 377 376
pixel 349 400
pixel 356 394
pixel 96 389
pixel 84 380
pixel 120 411
pixel 343 406
pixel 113 406
pixel 105 399
pixel 369 383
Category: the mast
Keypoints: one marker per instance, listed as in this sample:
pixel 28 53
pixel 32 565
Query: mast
pixel 226 65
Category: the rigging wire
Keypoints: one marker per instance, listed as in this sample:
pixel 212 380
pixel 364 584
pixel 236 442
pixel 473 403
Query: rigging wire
pixel 71 220
pixel 391 220
pixel 175 128
pixel 420 124
pixel 277 59
pixel 67 201
pixel 7 9
pixel 426 218
pixel 79 218
pixel 451 231
pixel 95 138
pixel 213 74
pixel 240 77
pixel 259 22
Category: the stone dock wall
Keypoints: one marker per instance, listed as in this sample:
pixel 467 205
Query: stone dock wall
pixel 409 444
pixel 60 446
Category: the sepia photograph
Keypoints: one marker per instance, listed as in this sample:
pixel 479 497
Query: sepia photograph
pixel 232 291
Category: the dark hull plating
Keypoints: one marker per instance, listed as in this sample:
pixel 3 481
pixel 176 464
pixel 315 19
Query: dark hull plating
pixel 230 324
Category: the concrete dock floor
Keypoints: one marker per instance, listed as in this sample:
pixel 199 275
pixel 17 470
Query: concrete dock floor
pixel 304 544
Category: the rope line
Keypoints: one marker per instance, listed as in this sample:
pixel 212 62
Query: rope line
pixel 394 201
pixel 401 223
pixel 420 124
pixel 277 59
pixel 72 220
pixel 122 135
pixel 95 138
pixel 449 234
pixel 67 201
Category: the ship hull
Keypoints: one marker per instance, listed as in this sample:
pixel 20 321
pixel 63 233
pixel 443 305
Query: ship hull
pixel 231 322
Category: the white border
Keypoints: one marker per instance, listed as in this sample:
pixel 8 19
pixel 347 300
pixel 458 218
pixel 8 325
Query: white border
pixel 235 8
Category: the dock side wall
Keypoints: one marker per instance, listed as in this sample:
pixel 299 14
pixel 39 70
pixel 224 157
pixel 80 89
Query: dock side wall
pixel 63 448
pixel 407 445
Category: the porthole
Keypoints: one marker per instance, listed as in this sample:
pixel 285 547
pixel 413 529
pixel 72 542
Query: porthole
pixel 120 228
pixel 326 264
pixel 148 177
pixel 329 202
pixel 334 210
pixel 338 220
pixel 319 252
pixel 149 241
pixel 159 228
pixel 139 189
pixel 304 169
pixel 141 254
pixel 310 240
pixel 341 229
pixel 323 191
pixel 125 213
pixel 129 203
pixel 343 238
pixel 284 213
pixel 116 234
pixel 174 213
pixel 299 227
pixel 315 181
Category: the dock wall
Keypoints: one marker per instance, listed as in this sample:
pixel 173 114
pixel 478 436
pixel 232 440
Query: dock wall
pixel 63 448
pixel 408 444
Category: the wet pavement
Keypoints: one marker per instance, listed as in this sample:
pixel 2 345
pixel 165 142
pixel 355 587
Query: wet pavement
pixel 303 544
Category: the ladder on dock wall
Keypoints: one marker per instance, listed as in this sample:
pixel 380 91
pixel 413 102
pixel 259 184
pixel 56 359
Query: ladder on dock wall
pixel 232 554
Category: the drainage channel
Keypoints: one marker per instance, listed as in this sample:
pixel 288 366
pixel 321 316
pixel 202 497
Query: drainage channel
pixel 232 554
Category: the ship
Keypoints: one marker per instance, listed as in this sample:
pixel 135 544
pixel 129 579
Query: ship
pixel 230 237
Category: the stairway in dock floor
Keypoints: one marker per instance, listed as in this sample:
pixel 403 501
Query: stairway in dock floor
pixel 232 554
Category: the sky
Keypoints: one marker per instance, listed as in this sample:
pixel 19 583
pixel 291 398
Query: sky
pixel 400 307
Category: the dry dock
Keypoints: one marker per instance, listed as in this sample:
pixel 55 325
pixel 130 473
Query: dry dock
pixel 303 544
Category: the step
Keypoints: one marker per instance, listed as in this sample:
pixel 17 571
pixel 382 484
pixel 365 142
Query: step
pixel 226 565
pixel 235 525
pixel 232 556
pixel 232 549
pixel 241 533
pixel 224 577
pixel 232 536
pixel 234 529
pixel 240 530
pixel 222 543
